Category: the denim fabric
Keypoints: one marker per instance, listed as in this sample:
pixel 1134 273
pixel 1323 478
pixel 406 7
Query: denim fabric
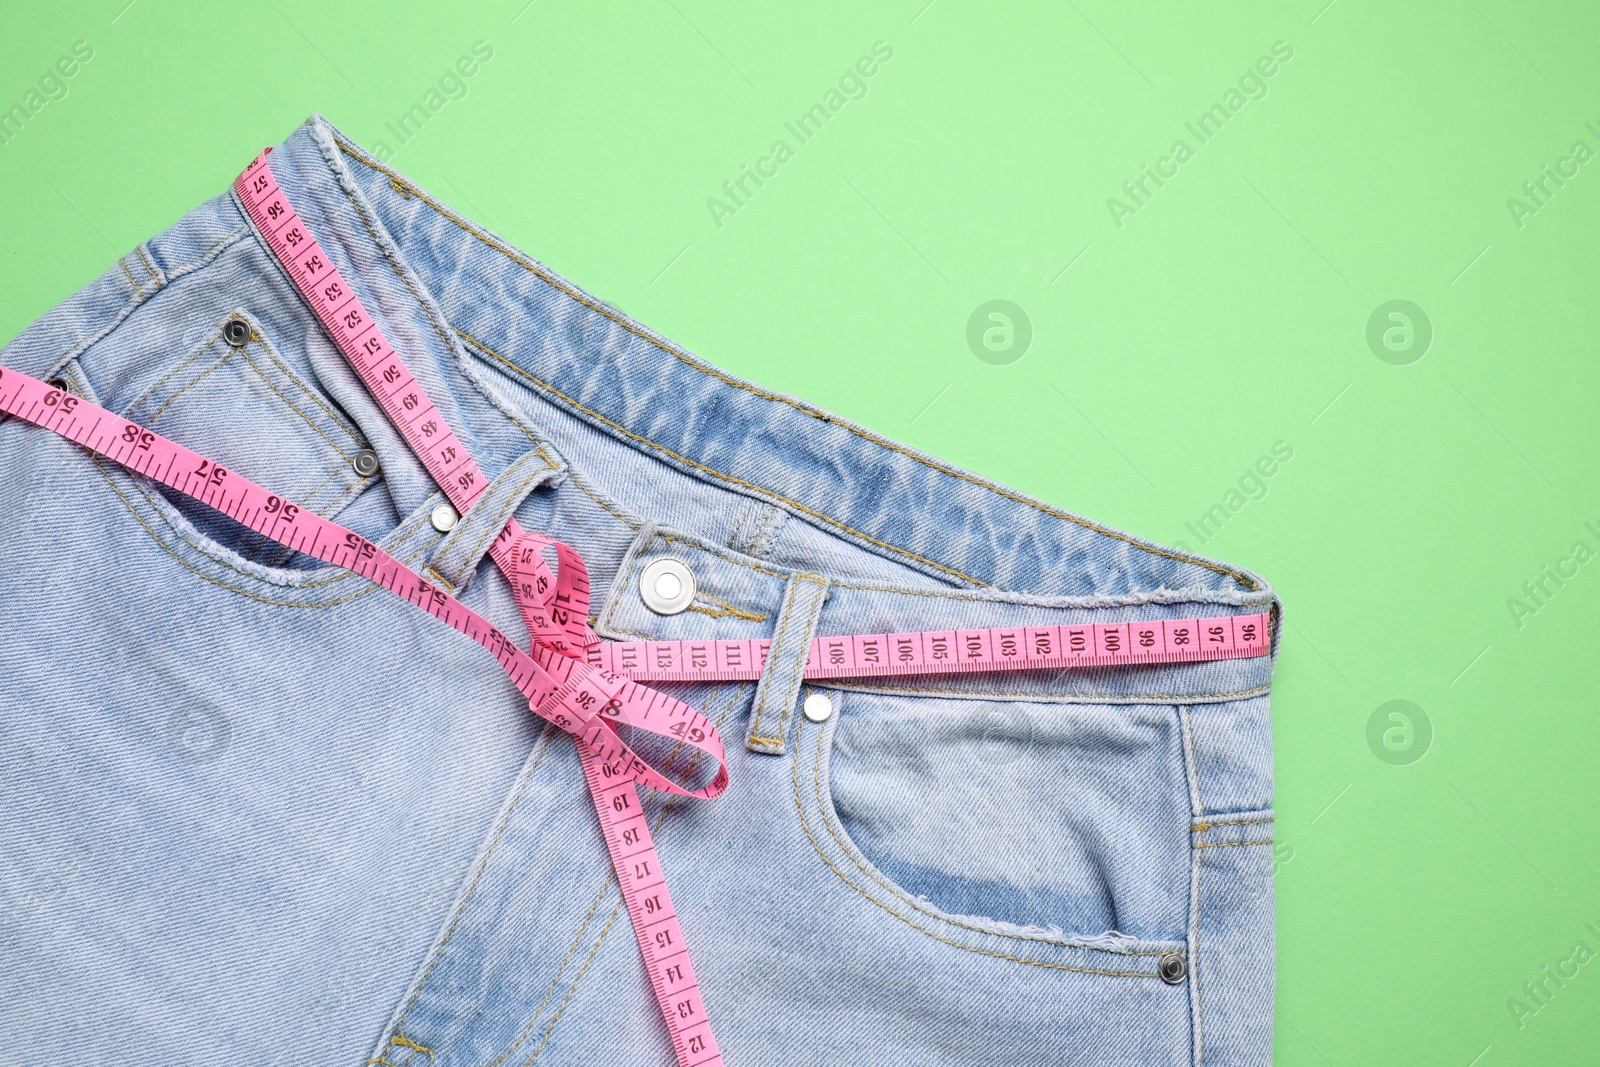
pixel 254 813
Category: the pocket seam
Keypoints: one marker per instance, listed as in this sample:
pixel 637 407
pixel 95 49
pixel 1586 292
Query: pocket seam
pixel 823 809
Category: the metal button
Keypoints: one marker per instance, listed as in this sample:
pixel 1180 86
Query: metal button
pixel 236 332
pixel 1174 969
pixel 444 518
pixel 667 586
pixel 57 383
pixel 365 462
pixel 817 707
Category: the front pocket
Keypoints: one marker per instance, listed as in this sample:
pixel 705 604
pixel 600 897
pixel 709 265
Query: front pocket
pixel 245 409
pixel 1055 834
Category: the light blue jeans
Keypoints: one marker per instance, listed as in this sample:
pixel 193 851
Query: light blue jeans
pixel 254 813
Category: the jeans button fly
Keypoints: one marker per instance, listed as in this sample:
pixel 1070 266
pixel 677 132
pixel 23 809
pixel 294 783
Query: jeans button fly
pixel 667 586
pixel 444 518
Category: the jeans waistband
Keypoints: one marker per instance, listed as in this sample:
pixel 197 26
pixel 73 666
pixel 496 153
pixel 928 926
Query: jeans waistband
pixel 461 305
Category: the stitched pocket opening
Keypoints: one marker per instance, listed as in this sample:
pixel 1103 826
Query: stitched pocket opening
pixel 1067 823
pixel 246 409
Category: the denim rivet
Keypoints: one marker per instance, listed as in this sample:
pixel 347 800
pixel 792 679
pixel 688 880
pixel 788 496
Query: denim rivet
pixel 667 586
pixel 817 707
pixel 365 462
pixel 57 383
pixel 1174 969
pixel 236 332
pixel 444 518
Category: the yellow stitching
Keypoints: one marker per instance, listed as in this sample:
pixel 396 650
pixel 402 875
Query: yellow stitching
pixel 311 394
pixel 726 610
pixel 1138 698
pixel 243 592
pixel 724 556
pixel 592 495
pixel 472 887
pixel 1231 844
pixel 323 484
pixel 556 1018
pixel 148 393
pixel 766 740
pixel 403 1042
pixel 138 290
pixel 749 502
pixel 805 826
pixel 234 236
pixel 772 657
pixel 1203 826
pixel 289 403
pixel 356 485
pixel 605 886
pixel 189 385
pixel 150 269
pixel 160 504
pixel 712 372
pixel 712 470
pixel 577 940
pixel 823 809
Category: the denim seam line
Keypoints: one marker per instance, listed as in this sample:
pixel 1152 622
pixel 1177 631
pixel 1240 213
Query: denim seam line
pixel 766 494
pixel 233 588
pixel 605 888
pixel 1191 776
pixel 724 610
pixel 89 340
pixel 341 422
pixel 1208 824
pixel 472 887
pixel 155 276
pixel 122 261
pixel 159 505
pixel 705 369
pixel 256 339
pixel 183 364
pixel 823 817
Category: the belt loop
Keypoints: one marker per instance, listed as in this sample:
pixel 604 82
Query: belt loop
pixel 786 664
pixel 457 555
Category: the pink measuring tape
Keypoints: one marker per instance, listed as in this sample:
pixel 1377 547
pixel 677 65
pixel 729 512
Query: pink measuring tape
pixel 586 687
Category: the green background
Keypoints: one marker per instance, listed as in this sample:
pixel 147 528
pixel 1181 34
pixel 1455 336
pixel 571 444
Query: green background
pixel 1169 353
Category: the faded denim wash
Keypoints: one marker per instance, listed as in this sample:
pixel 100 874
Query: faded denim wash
pixel 255 814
